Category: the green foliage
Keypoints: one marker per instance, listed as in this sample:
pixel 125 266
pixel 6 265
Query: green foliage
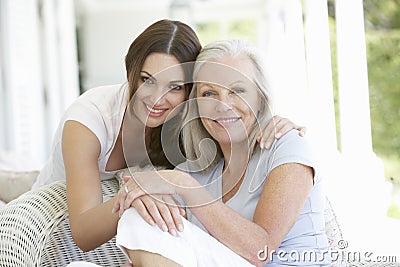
pixel 378 14
pixel 207 32
pixel 332 30
pixel 384 74
pixel 382 14
pixel 393 211
pixel 214 30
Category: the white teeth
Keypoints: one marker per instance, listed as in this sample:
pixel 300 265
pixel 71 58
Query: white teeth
pixel 154 110
pixel 227 120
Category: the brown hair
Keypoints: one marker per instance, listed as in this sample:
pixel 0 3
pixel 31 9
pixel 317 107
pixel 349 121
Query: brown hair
pixel 165 36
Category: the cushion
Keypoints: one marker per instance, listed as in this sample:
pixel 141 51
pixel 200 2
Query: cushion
pixel 13 184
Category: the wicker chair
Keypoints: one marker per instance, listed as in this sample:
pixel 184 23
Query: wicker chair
pixel 34 231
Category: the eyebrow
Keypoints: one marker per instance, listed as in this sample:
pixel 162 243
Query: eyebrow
pixel 148 74
pixel 237 82
pixel 229 85
pixel 151 76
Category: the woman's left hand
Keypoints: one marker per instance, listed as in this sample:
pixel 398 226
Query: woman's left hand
pixel 155 183
pixel 275 129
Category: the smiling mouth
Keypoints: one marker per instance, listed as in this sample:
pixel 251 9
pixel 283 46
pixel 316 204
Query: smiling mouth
pixel 227 121
pixel 155 111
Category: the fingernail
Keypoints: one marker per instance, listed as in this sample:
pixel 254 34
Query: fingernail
pixel 278 135
pixel 301 133
pixel 180 227
pixel 173 232
pixel 262 145
pixel 164 228
pixel 151 222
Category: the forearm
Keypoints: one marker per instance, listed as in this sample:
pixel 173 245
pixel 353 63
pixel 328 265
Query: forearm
pixel 242 236
pixel 95 226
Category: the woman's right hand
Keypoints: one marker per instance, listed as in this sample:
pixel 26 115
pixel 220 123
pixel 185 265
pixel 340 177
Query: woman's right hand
pixel 160 210
pixel 156 209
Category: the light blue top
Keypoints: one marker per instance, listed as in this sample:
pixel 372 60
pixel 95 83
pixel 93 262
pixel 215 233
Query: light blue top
pixel 306 240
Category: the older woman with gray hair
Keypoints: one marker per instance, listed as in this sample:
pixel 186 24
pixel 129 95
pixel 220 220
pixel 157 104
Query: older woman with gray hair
pixel 244 206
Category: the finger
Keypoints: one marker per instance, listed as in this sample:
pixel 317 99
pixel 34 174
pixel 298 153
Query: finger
pixel 154 211
pixel 302 130
pixel 175 211
pixel 166 213
pixel 121 201
pixel 268 133
pixel 182 211
pixel 116 206
pixel 142 210
pixel 282 126
pixel 134 192
pixel 285 125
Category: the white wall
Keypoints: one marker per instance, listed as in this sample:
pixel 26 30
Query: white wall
pixel 106 30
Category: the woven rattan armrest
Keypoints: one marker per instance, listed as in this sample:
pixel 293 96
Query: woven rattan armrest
pixel 34 231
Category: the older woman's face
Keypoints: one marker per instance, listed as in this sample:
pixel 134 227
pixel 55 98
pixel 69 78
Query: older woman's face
pixel 228 100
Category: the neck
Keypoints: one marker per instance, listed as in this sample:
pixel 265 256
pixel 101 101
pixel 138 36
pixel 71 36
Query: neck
pixel 236 157
pixel 132 136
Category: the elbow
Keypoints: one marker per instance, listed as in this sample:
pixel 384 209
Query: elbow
pixel 80 243
pixel 79 239
pixel 260 264
pixel 260 260
pixel 264 252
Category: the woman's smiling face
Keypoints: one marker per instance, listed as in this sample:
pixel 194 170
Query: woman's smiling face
pixel 160 89
pixel 227 98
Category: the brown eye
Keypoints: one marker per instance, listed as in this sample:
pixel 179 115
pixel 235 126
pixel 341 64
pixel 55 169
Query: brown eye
pixel 147 80
pixel 176 87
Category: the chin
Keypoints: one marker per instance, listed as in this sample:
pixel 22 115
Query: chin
pixel 153 124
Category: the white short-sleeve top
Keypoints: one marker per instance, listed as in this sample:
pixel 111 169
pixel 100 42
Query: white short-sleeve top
pixel 101 110
pixel 308 233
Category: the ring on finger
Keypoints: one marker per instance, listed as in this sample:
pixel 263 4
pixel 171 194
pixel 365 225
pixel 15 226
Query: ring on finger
pixel 126 188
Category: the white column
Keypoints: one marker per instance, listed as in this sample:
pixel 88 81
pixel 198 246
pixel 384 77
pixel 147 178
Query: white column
pixel 3 129
pixel 319 72
pixel 22 78
pixel 286 58
pixel 353 78
pixel 59 60
pixel 362 183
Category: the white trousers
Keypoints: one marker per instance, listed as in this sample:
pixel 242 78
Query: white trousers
pixel 191 248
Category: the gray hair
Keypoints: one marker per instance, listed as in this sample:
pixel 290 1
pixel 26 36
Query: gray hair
pixel 195 138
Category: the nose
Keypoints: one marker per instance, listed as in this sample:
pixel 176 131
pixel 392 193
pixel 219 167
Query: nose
pixel 224 102
pixel 157 97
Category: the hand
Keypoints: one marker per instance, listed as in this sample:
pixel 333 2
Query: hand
pixel 163 211
pixel 159 208
pixel 276 128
